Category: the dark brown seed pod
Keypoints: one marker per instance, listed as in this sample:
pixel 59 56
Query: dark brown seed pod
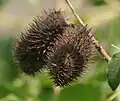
pixel 70 55
pixel 30 51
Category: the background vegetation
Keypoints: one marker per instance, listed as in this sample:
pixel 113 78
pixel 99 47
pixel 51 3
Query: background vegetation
pixel 17 86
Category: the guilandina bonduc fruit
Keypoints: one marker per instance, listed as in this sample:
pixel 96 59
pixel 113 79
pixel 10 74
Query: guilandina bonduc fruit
pixel 70 54
pixel 31 49
pixel 64 49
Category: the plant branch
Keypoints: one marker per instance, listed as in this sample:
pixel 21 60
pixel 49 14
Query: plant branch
pixel 96 43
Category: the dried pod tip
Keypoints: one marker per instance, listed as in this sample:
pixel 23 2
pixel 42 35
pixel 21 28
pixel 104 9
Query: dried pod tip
pixel 70 55
pixel 30 51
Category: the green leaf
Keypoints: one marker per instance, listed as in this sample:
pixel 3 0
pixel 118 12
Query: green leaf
pixel 113 73
pixel 81 92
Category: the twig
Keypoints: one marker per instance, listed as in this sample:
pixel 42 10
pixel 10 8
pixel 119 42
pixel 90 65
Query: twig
pixel 114 95
pixel 96 43
pixel 115 46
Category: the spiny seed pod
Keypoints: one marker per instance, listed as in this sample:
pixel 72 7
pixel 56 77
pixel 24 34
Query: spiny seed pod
pixel 69 57
pixel 30 51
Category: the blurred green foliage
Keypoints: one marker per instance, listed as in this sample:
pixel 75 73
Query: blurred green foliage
pixel 81 92
pixel 16 86
pixel 8 70
pixel 3 2
pixel 98 2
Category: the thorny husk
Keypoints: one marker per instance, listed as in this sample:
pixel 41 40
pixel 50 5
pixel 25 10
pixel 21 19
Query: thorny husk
pixel 70 55
pixel 31 49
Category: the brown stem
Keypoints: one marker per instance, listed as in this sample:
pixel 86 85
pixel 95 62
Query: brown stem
pixel 99 48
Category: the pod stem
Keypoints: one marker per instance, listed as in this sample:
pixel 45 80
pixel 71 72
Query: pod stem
pixel 99 48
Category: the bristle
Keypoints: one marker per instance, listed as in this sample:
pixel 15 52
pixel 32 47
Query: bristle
pixel 70 55
pixel 30 51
